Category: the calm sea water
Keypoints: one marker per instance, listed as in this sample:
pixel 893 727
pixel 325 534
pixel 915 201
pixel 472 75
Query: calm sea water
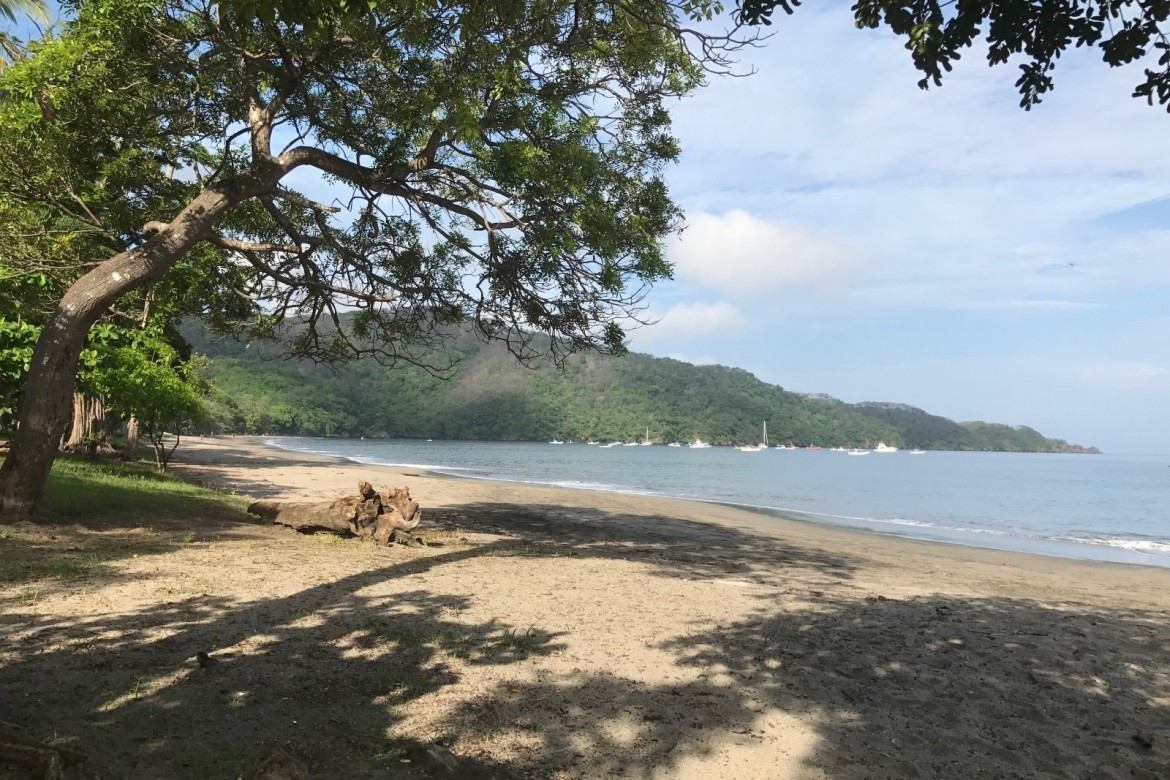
pixel 1098 507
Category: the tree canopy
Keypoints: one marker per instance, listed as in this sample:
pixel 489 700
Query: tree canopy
pixel 420 164
pixel 1034 33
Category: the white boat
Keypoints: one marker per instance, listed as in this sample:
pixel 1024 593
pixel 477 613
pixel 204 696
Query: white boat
pixel 883 447
pixel 698 444
pixel 555 441
pixel 758 447
pixel 611 444
pixel 646 442
pixel 858 452
pixel 674 444
pixel 917 452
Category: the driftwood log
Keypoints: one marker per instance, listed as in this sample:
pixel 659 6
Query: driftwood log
pixel 385 517
pixel 50 759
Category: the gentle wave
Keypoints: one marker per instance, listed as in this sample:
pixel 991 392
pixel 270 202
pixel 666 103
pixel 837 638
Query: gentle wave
pixel 1134 545
pixel 370 461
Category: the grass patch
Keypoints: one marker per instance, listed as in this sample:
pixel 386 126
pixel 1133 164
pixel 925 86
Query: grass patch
pixel 107 491
pixel 57 567
pixel 115 503
pixel 513 641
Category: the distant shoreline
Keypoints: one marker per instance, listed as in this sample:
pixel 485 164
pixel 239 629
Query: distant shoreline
pixel 1074 450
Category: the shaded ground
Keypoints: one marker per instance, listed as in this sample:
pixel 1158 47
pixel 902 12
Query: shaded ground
pixel 565 640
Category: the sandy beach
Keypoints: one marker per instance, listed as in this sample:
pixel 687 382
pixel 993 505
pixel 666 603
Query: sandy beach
pixel 554 633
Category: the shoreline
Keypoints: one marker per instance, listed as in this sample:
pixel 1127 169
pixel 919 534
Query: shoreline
pixel 1061 549
pixel 772 523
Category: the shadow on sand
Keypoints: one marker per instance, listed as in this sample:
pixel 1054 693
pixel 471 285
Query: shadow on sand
pixel 848 689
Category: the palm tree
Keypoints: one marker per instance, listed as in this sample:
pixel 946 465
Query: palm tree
pixel 10 47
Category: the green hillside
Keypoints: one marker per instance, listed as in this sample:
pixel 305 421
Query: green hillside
pixel 928 431
pixel 491 397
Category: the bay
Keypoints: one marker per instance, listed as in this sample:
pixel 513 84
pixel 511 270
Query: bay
pixel 1094 507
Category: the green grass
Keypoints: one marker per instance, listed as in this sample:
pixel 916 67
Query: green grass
pixel 105 491
pixel 521 643
pixel 104 496
pixel 57 567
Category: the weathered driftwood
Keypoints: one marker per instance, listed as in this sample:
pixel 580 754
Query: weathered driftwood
pixel 384 517
pixel 50 759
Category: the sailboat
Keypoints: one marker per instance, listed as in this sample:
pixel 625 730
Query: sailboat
pixel 758 447
pixel 646 442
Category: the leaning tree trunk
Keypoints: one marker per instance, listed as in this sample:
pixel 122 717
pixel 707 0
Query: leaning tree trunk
pixel 48 389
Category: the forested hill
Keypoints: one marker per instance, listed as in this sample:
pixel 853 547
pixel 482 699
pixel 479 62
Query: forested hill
pixel 491 397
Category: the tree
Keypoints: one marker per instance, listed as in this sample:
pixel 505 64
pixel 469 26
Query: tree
pixel 500 166
pixel 43 250
pixel 147 381
pixel 10 48
pixel 937 31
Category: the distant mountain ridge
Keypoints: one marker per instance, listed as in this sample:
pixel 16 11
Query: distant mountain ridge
pixel 491 397
pixel 923 430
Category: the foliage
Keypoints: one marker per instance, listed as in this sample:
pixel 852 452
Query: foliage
pixel 138 372
pixel 1037 31
pixel 34 8
pixel 490 397
pixel 500 163
pixel 10 48
pixel 146 380
pixel 16 347
pixel 927 431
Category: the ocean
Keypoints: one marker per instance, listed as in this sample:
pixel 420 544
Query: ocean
pixel 1093 507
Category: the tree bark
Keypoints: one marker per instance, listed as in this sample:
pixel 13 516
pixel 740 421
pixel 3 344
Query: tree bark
pixel 44 409
pixel 89 424
pixel 384 517
pixel 46 406
pixel 131 452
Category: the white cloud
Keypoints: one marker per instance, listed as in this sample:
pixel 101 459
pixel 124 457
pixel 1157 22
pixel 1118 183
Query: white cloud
pixel 702 360
pixel 952 198
pixel 690 320
pixel 743 254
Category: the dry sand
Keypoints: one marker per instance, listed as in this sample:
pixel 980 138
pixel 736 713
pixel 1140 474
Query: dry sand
pixel 571 634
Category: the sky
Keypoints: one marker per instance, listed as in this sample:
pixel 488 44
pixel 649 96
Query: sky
pixel 848 233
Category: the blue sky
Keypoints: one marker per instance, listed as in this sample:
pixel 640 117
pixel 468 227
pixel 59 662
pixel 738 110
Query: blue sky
pixel 851 234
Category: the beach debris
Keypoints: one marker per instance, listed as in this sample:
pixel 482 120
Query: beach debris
pixel 1143 741
pixel 445 764
pixel 386 517
pixel 41 756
